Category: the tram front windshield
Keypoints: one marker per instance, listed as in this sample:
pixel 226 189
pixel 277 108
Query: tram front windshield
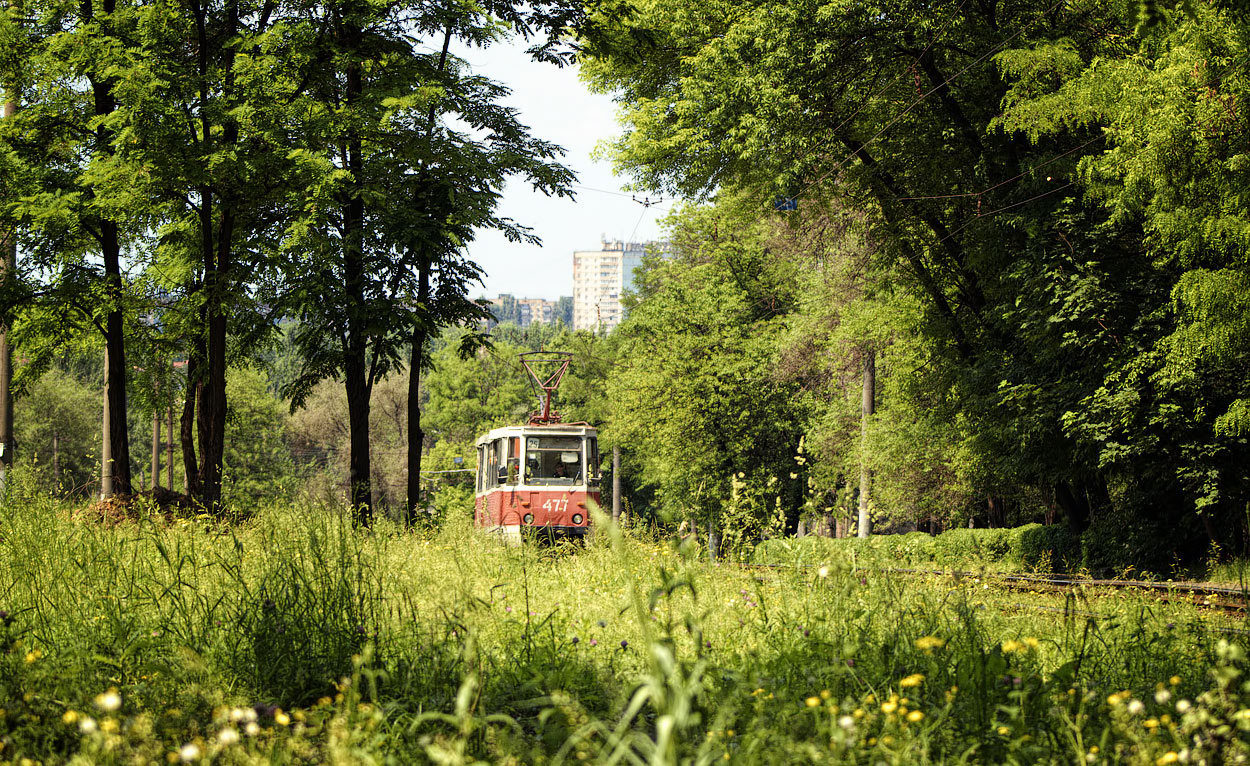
pixel 553 460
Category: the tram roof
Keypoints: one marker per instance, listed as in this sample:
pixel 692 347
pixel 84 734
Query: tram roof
pixel 552 429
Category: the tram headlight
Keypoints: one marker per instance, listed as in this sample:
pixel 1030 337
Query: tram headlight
pixel 528 518
pixel 577 518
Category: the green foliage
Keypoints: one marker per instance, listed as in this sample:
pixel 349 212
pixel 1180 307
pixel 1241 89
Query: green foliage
pixel 58 429
pixel 258 467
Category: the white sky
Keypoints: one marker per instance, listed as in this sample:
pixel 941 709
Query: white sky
pixel 557 107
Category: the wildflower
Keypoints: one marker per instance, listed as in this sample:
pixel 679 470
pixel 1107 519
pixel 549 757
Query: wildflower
pixel 33 656
pixel 823 572
pixel 1116 699
pixel 624 644
pixel 915 679
pixel 846 722
pixel 1136 707
pixel 812 701
pixel 70 717
pixel 1175 680
pixel 252 729
pixel 825 694
pixel 108 701
pixel 1004 730
pixel 1012 645
pixel 1182 706
pixel 87 725
pixel 228 736
pixel 1166 758
pixel 189 752
pixel 1162 696
pixel 576 640
pixel 109 725
pixel 927 644
pixel 594 642
pixel 889 707
pixel 1151 723
pixel 915 716
pixel 281 718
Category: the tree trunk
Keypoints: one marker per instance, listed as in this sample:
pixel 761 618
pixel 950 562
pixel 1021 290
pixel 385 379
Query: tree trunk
pixel 867 409
pixel 169 448
pixel 110 252
pixel 187 424
pixel 8 266
pixel 355 344
pixel 56 458
pixel 416 436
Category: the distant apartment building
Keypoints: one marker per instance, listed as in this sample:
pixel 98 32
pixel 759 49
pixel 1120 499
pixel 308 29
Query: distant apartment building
pixel 527 311
pixel 599 279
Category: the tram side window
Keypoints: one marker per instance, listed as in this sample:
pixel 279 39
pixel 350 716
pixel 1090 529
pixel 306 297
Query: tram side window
pixel 553 460
pixel 481 469
pixel 592 458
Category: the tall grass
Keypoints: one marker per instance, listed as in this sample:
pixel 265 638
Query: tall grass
pixel 293 637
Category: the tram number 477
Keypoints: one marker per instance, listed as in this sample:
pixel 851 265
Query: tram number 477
pixel 556 505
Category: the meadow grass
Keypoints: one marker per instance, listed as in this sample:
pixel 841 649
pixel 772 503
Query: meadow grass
pixel 294 638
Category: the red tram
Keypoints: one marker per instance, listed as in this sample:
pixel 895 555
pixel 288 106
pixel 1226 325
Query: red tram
pixel 542 476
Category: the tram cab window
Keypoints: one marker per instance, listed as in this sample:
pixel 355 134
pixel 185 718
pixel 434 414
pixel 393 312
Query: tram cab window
pixel 553 460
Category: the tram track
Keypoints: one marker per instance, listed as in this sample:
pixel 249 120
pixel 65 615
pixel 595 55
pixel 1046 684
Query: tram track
pixel 1219 598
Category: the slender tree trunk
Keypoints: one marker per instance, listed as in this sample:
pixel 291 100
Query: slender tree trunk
pixel 190 469
pixel 355 366
pixel 867 408
pixel 110 253
pixel 616 482
pixel 169 448
pixel 416 436
pixel 56 458
pixel 8 267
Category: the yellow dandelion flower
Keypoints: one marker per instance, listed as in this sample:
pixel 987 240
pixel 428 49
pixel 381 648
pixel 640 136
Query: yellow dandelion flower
pixel 1031 642
pixel 915 679
pixel 33 656
pixel 281 718
pixel 1004 730
pixel 70 717
pixel 929 643
pixel 1151 723
pixel 825 694
pixel 1166 758
pixel 1175 680
pixel 812 701
pixel 915 716
pixel 889 707
pixel 1012 645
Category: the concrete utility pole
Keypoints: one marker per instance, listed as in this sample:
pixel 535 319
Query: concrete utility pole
pixel 106 445
pixel 8 257
pixel 616 483
pixel 867 408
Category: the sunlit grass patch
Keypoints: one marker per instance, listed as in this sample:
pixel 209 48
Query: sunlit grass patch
pixel 294 637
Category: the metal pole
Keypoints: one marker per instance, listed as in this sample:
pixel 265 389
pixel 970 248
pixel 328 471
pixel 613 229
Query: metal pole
pixel 868 407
